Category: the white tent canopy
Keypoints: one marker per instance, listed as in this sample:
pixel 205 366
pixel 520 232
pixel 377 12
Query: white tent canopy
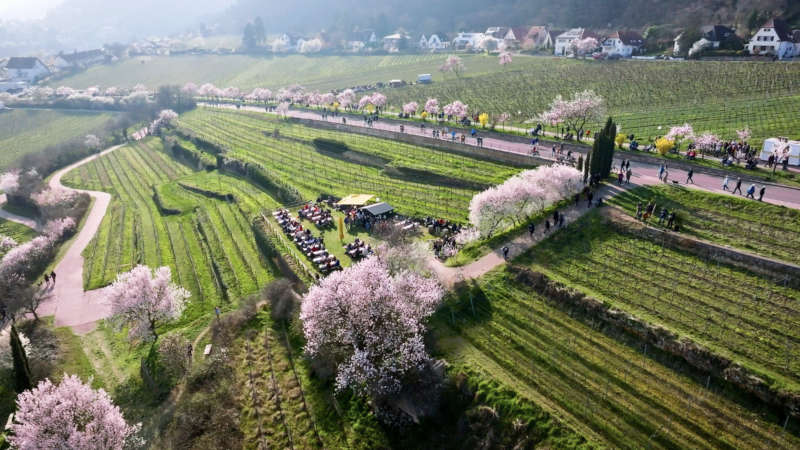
pixel 773 145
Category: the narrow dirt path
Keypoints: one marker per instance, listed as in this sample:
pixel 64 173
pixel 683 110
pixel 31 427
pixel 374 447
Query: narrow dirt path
pixel 517 246
pixel 70 305
pixel 22 220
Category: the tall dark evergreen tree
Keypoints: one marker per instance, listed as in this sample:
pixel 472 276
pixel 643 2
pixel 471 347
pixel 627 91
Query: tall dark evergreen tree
pixel 586 165
pixel 249 38
pixel 259 31
pixel 22 371
pixel 602 154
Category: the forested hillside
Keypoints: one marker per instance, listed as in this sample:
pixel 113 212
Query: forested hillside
pixel 454 15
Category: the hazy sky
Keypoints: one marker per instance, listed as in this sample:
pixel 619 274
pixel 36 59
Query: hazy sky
pixel 26 9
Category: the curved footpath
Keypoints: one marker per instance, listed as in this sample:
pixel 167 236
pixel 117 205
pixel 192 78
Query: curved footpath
pixel 22 220
pixel 70 304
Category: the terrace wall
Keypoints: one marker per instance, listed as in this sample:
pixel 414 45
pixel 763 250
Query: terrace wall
pixel 767 267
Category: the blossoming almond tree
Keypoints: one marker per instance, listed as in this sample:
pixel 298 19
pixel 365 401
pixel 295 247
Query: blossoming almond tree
pixel 521 196
pixel 504 59
pixel 432 106
pixel 69 415
pixel 585 46
pixel 368 325
pixel 143 299
pixel 744 134
pixel 456 109
pixel 410 108
pixel 707 142
pixel 584 107
pixel 452 64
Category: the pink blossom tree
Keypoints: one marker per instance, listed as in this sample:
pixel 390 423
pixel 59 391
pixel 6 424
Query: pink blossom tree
pixel 190 89
pixel 327 99
pixel 346 98
pixel 282 109
pixel 364 102
pixel 456 109
pixel 69 415
pixel 92 142
pixel 744 134
pixel 584 107
pixel 521 196
pixel 585 46
pixel 707 142
pixel 452 64
pixel 378 100
pixel 207 90
pixel 504 59
pixel 410 108
pixel 142 299
pixel 9 181
pixel 680 134
pixel 432 106
pixel 367 325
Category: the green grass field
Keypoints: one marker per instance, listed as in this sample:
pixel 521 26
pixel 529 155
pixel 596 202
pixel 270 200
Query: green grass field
pixel 762 228
pixel 641 95
pixel 735 313
pixel 610 392
pixel 415 180
pixel 19 233
pixel 28 131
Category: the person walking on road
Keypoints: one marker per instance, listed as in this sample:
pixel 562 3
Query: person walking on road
pixel 689 175
pixel 628 174
pixel 505 253
pixel 531 229
pixel 589 197
pixel 661 172
pixel 53 277
pixel 725 183
pixel 761 193
pixel 639 210
pixel 666 175
pixel 750 191
pixel 738 186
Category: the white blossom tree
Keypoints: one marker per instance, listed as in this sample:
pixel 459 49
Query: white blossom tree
pixel 584 107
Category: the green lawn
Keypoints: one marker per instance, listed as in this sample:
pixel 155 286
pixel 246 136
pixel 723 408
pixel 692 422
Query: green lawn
pixel 28 131
pixel 769 230
pixel 733 312
pixel 19 233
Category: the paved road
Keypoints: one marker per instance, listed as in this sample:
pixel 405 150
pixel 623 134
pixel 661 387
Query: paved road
pixel 27 221
pixel 70 304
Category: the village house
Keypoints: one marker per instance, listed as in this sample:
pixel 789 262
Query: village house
pixel 26 69
pixel 564 41
pixel 776 39
pixel 432 43
pixel 465 41
pixel 623 43
pixel 529 38
pixel 395 42
pixel 358 40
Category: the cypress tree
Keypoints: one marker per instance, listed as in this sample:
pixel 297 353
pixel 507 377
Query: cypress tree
pixel 586 166
pixel 609 133
pixel 580 163
pixel 22 371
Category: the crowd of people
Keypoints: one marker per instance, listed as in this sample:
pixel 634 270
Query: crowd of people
pixel 665 217
pixel 357 249
pixel 316 213
pixel 311 246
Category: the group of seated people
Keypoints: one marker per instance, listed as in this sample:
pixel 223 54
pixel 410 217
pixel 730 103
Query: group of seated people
pixel 311 246
pixel 358 249
pixel 317 214
pixel 441 226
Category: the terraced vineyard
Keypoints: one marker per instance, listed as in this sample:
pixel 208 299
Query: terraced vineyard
pixel 277 412
pixel 762 228
pixel 417 181
pixel 610 392
pixel 27 131
pixel 209 245
pixel 749 319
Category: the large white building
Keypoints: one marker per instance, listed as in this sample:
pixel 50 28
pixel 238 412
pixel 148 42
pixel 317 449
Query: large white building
pixel 776 39
pixel 468 41
pixel 26 69
pixel 623 43
pixel 564 41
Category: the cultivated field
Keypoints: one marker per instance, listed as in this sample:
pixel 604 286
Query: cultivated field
pixel 642 95
pixel 19 233
pixel 415 180
pixel 763 228
pixel 209 245
pixel 609 391
pixel 27 131
pixel 744 317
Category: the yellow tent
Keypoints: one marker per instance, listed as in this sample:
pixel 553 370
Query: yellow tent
pixel 356 200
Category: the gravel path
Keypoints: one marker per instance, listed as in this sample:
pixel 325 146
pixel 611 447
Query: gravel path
pixel 70 304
